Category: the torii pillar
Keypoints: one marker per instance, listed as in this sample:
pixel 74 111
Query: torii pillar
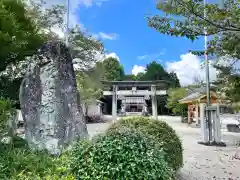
pixel 154 102
pixel 114 103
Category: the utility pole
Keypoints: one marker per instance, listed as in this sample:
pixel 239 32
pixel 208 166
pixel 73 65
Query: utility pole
pixel 207 78
pixel 67 23
pixel 221 4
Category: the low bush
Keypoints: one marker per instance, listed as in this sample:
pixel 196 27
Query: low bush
pixel 162 132
pixel 122 154
pixel 19 163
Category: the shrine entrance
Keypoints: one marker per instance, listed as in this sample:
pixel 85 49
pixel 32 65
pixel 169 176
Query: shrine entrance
pixel 133 97
pixel 134 108
pixel 133 105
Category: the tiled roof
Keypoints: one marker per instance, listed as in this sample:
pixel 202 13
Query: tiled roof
pixel 194 94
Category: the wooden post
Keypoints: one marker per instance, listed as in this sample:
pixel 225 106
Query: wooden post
pixel 189 114
pixel 196 113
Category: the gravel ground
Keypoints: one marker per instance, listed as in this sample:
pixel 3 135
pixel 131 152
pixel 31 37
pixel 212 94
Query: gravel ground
pixel 200 162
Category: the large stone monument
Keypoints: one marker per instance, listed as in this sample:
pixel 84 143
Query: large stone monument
pixel 50 102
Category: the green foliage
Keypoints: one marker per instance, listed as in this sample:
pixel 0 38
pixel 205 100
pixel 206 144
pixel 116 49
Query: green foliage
pixel 123 154
pixel 174 95
pixel 155 71
pixel 84 48
pixel 19 163
pixel 161 132
pixel 186 19
pixel 5 113
pixel 35 22
pixel 18 34
pixel 140 76
pixel 9 88
pixel 89 84
pixel 129 77
pixel 113 69
pixel 174 81
pixel 228 84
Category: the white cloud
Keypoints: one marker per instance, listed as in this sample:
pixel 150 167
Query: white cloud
pixel 138 69
pixel 114 55
pixel 89 3
pixel 188 68
pixel 99 4
pixel 105 36
pixel 153 56
pixel 74 3
pixel 74 16
pixel 101 57
pixel 142 57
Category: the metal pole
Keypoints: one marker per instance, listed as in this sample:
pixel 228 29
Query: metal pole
pixel 67 23
pixel 221 4
pixel 207 78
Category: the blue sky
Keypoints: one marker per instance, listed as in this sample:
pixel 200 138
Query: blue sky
pixel 134 39
pixel 122 27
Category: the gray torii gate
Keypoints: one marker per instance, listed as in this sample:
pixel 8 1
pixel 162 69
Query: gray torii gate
pixel 118 92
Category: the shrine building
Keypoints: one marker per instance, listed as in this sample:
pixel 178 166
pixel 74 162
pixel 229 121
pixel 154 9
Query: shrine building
pixel 127 98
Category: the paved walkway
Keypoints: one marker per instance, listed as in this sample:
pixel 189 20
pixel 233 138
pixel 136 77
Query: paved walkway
pixel 200 162
pixel 207 162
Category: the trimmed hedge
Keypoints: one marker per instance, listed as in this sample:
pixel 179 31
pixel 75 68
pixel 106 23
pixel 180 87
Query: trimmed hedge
pixel 122 154
pixel 162 132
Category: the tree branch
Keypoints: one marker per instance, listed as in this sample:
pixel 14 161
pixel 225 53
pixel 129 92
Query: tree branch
pixel 205 19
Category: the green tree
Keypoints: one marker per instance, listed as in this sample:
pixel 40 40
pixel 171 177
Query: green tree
pixel 132 77
pixel 20 38
pixel 192 23
pixel 174 95
pixel 174 80
pixel 89 85
pixel 140 75
pixel 83 48
pixel 19 35
pixel 155 71
pixel 186 19
pixel 46 18
pixel 129 77
pixel 113 69
pixel 228 84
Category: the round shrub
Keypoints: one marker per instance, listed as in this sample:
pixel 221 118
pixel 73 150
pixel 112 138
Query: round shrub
pixel 123 154
pixel 162 132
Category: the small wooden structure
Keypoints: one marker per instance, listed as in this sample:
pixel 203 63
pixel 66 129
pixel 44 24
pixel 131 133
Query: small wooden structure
pixel 194 99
